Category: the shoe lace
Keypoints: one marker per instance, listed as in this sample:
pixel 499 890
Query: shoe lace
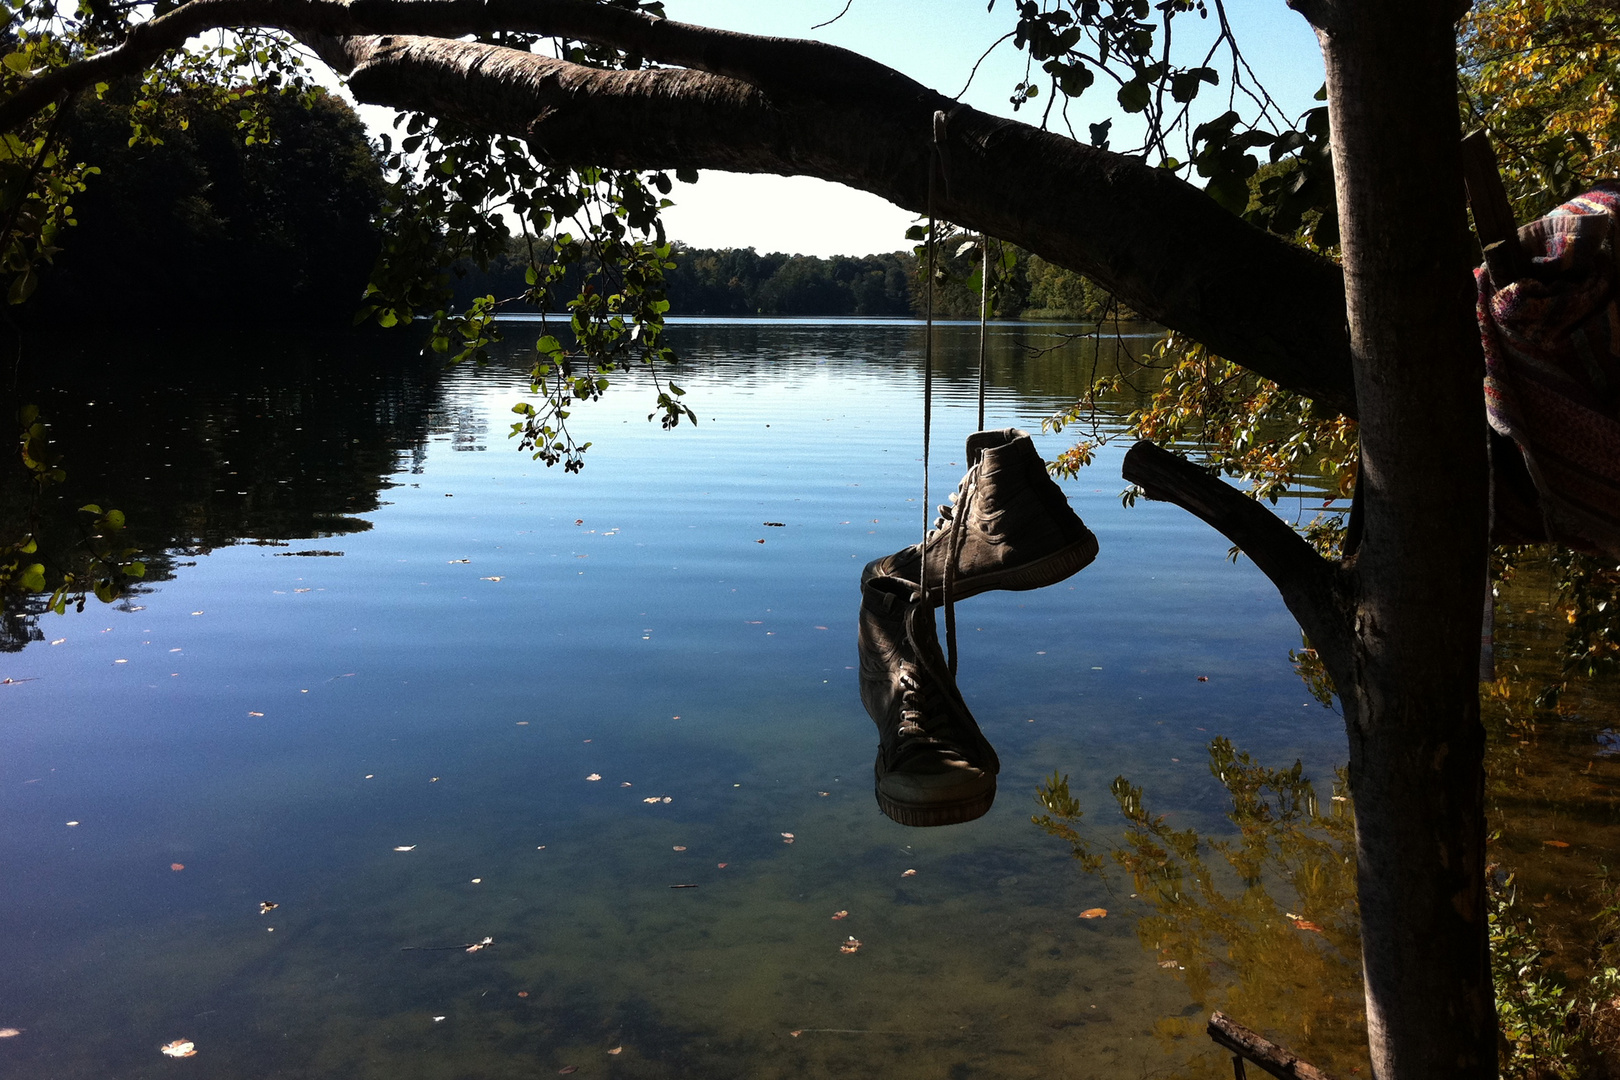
pixel 952 514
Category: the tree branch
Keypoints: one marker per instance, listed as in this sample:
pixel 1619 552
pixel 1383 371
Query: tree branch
pixel 773 105
pixel 1310 585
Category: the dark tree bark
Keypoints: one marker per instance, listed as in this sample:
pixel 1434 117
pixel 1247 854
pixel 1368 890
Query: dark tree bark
pixel 1411 701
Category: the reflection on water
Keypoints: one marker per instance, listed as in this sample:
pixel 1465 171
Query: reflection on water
pixel 494 634
pixel 1262 925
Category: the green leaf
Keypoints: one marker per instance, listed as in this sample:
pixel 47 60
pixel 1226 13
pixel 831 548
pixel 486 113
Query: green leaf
pixel 1134 96
pixel 33 578
pixel 91 508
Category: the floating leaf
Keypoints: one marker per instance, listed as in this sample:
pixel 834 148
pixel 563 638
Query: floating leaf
pixel 787 835
pixel 255 714
pixel 722 865
pixel 523 993
pixel 594 776
pixel 180 1048
pixel 667 799
pixel 72 823
pixel 1555 843
pixel 852 945
pixel 267 906
pixel 653 799
pixel 489 579
pixel 909 873
pixel 796 1034
pixel 10 1033
pixel 438 1019
pixel 566 1069
pixel 1094 913
pixel 1306 924
pixel 680 847
pixel 177 866
pixel 406 847
pixel 617 1050
pixel 840 915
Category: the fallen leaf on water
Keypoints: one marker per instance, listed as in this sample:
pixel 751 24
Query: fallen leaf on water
pixel 177 866
pixel 624 783
pixel 787 836
pixel 433 779
pixel 406 847
pixel 651 800
pixel 1203 678
pixel 437 1019
pixel 72 823
pixel 267 906
pixel 840 915
pixel 1306 924
pixel 777 524
pixel 455 561
pixel 680 847
pixel 522 723
pixel 852 945
pixel 255 714
pixel 823 794
pixel 617 1050
pixel 180 1048
pixel 909 873
pixel 666 798
pixel 1168 964
pixel 490 579
pixel 566 1069
pixel 477 881
pixel 1094 913
pixel 58 641
pixel 1555 843
pixel 594 776
pixel 523 993
pixel 759 541
pixel 722 866
pixel 796 1034
pixel 10 1033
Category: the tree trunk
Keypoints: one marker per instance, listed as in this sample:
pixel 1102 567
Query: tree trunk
pixel 1412 700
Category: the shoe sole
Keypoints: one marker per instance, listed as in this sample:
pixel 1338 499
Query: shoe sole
pixel 929 815
pixel 1049 570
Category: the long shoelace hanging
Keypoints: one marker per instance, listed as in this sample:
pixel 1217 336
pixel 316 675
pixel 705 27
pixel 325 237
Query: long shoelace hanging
pixel 956 516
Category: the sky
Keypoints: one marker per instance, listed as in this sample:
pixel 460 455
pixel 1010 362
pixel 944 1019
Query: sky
pixel 937 43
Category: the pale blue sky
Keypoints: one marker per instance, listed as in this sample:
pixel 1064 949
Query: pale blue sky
pixel 935 42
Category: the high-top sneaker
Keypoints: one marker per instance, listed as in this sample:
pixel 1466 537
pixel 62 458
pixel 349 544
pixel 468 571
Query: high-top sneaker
pixel 934 766
pixel 1007 526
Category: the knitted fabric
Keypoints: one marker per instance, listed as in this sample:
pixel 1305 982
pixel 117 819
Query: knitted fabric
pixel 1552 366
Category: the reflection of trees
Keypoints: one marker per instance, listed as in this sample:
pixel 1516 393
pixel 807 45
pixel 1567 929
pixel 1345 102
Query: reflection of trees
pixel 1261 925
pixel 225 440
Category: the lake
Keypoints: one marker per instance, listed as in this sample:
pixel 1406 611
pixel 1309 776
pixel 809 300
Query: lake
pixel 393 689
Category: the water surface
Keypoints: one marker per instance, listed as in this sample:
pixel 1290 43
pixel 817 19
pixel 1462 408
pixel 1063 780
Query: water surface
pixel 380 626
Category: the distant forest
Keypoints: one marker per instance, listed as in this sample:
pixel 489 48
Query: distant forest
pixel 741 281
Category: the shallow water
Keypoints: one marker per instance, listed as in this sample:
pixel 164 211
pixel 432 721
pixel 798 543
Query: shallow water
pixel 495 634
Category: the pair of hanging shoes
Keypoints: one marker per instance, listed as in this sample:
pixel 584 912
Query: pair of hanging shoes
pixel 1008 526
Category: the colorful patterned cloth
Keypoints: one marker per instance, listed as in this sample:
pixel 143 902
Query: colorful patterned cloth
pixel 1552 366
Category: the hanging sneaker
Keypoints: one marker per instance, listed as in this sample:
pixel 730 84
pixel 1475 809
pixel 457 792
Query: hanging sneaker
pixel 1007 526
pixel 934 765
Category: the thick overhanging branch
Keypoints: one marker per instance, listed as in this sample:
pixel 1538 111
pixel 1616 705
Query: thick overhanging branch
pixel 1313 587
pixel 771 105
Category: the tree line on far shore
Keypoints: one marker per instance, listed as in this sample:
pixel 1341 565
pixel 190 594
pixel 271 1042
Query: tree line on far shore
pixel 729 282
pixel 197 224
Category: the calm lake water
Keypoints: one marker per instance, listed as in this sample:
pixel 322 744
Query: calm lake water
pixel 417 691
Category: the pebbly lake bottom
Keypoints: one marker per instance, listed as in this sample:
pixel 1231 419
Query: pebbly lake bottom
pixel 415 691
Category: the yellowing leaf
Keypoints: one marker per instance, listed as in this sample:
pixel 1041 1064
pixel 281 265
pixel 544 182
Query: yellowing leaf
pixel 1094 913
